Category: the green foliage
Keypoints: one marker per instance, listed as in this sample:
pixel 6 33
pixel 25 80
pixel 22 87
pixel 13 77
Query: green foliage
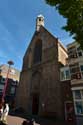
pixel 72 10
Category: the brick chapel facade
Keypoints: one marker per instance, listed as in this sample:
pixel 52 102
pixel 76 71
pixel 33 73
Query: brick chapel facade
pixel 39 90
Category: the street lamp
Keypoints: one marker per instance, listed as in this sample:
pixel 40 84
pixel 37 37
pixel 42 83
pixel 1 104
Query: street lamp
pixel 0 72
pixel 6 81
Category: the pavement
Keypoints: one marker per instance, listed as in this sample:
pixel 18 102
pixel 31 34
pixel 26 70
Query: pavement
pixel 79 120
pixel 15 120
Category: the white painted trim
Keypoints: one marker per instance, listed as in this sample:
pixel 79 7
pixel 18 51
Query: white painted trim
pixel 77 88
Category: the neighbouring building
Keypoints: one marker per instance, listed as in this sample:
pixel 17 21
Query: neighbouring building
pixel 39 90
pixel 72 74
pixel 13 81
pixel 67 96
pixel 75 60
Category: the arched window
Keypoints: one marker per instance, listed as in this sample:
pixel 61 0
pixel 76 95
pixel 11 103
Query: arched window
pixel 38 52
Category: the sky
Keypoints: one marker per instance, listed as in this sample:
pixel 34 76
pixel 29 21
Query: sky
pixel 17 26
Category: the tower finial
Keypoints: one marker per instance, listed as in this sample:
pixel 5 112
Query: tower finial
pixel 39 21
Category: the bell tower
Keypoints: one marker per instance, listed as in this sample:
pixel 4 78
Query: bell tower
pixel 39 22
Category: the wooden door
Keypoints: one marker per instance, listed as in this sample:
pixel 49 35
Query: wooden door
pixel 35 104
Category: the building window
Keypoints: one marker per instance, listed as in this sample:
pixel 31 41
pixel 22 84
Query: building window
pixel 79 107
pixel 62 75
pixel 81 67
pixel 78 101
pixel 12 90
pixel 1 87
pixel 3 80
pixel 74 68
pixel 79 54
pixel 76 76
pixel 73 76
pixel 65 75
pixel 14 82
pixel 72 53
pixel 79 51
pixel 78 48
pixel 77 94
pixel 38 52
pixel 75 71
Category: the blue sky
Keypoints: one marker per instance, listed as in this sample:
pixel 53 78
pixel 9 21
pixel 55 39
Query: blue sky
pixel 17 25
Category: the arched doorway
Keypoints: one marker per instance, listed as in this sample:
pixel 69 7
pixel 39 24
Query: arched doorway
pixel 35 90
pixel 35 103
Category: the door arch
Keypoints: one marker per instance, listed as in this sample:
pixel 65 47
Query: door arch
pixel 35 92
pixel 35 103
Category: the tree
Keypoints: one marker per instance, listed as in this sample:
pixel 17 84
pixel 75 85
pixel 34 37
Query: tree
pixel 72 10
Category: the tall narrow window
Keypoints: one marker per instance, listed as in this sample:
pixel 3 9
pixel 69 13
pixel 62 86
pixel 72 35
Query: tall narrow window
pixel 78 101
pixel 38 52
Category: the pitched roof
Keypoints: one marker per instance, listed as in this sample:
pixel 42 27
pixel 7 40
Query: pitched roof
pixel 35 34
